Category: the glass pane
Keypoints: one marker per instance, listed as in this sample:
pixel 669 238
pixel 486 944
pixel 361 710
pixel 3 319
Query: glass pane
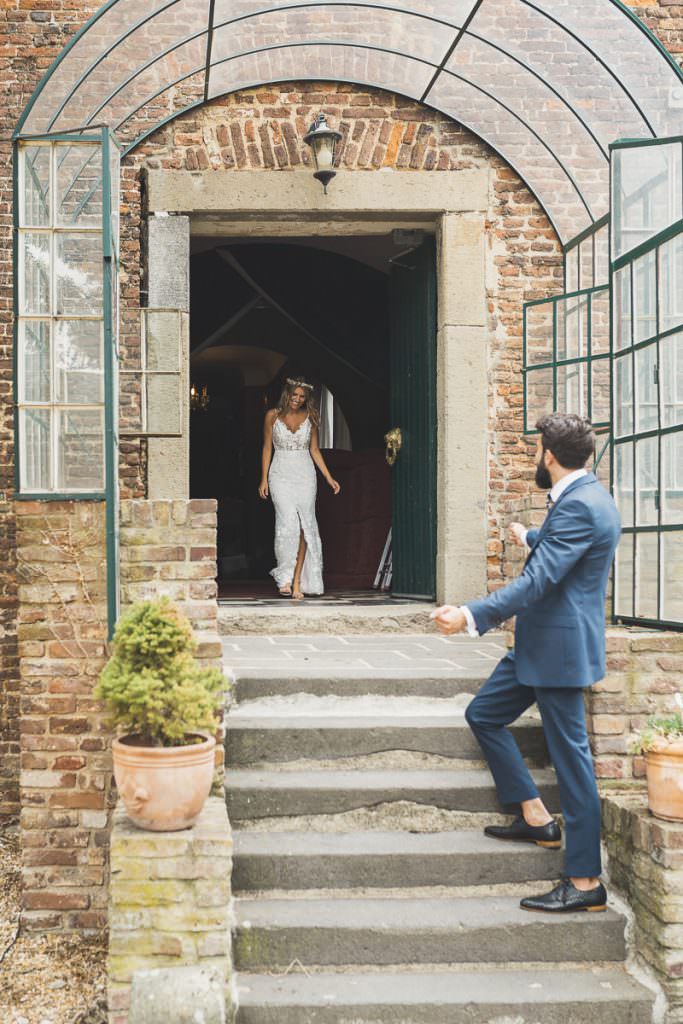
pixel 539 395
pixel 164 405
pixel 602 256
pixel 572 327
pixel 35 360
pixel 162 338
pixel 34 284
pixel 623 395
pixel 571 270
pixel 645 297
pixel 623 577
pixel 671 379
pixel 600 308
pixel 647 575
pixel 623 481
pixel 600 391
pixel 539 333
pixel 622 308
pixel 647 193
pixel 572 388
pixel 35 191
pixel 78 362
pixel 80 454
pixel 602 468
pixel 586 279
pixel 672 479
pixel 79 185
pixel 647 481
pixel 78 274
pixel 671 284
pixel 34 426
pixel 672 573
pixel 647 398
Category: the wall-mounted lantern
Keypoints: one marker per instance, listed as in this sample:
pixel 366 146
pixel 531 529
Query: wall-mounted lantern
pixel 323 141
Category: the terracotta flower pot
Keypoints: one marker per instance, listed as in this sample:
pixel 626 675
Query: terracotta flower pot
pixel 163 788
pixel 664 765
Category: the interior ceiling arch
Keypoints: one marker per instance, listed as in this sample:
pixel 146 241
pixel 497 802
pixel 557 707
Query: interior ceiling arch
pixel 548 84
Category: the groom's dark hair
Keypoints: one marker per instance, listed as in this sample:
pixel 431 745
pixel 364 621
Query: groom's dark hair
pixel 569 437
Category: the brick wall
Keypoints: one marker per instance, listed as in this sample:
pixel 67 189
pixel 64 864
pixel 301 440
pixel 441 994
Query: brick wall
pixel 645 862
pixel 66 778
pixel 644 673
pixel 169 901
pixel 65 761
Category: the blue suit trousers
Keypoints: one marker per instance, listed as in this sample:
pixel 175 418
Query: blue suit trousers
pixel 500 701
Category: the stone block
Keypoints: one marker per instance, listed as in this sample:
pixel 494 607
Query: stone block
pixel 177 995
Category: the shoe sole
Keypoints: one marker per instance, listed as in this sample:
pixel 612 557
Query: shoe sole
pixel 569 910
pixel 547 844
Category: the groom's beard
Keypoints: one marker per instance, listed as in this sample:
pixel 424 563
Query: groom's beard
pixel 543 479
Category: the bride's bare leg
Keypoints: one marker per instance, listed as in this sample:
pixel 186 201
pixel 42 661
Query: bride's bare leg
pixel 301 555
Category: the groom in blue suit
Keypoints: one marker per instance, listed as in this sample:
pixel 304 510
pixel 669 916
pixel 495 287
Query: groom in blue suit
pixel 559 601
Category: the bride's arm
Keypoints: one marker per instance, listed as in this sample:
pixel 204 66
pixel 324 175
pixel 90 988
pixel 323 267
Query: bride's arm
pixel 317 457
pixel 267 452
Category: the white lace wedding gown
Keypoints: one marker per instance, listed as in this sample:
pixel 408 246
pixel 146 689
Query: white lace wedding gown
pixel 293 486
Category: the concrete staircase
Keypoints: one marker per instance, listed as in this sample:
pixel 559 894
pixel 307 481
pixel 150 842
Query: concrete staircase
pixel 365 890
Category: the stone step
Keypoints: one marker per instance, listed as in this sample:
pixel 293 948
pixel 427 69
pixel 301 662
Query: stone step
pixel 330 618
pixel 262 794
pixel 374 860
pixel 605 995
pixel 252 683
pixel 272 933
pixel 321 728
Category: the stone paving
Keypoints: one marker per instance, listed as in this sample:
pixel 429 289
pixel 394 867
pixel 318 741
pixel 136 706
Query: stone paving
pixel 416 652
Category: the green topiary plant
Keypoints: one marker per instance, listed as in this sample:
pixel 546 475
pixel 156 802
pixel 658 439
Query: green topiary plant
pixel 152 685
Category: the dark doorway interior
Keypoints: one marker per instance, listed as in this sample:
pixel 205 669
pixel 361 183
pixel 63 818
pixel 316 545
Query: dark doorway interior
pixel 262 311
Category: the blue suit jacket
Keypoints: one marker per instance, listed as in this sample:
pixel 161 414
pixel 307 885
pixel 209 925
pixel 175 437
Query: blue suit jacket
pixel 559 599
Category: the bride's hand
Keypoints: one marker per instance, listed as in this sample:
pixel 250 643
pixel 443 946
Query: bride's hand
pixel 334 485
pixel 263 489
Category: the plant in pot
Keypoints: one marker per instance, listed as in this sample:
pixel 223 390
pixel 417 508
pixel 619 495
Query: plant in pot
pixel 164 706
pixel 661 743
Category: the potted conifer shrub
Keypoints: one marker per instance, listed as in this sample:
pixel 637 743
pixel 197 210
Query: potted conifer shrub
pixel 661 743
pixel 164 706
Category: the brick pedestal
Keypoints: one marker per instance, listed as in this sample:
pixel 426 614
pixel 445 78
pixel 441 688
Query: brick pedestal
pixel 169 900
pixel 646 864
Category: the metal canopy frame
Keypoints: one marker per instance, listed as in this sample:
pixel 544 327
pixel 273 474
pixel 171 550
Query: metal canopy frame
pixel 473 60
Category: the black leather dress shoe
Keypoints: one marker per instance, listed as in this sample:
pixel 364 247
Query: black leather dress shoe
pixel 566 898
pixel 548 835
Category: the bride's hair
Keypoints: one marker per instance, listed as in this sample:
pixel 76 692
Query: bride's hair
pixel 288 389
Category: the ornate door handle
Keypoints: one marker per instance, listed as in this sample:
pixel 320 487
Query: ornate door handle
pixel 394 441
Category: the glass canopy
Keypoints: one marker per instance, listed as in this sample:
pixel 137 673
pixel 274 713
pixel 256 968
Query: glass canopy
pixel 549 84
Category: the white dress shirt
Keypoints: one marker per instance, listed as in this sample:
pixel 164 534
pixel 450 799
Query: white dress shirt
pixel 555 493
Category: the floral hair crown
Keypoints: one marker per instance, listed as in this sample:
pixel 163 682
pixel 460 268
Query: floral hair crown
pixel 299 384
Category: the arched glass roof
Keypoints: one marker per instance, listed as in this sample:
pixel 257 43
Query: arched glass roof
pixel 549 84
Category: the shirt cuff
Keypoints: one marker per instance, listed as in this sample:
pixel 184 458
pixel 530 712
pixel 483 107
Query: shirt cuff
pixel 524 535
pixel 471 624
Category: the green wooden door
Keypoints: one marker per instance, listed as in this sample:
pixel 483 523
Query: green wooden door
pixel 413 410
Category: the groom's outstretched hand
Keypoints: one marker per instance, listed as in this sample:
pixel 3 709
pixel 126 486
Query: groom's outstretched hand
pixel 449 619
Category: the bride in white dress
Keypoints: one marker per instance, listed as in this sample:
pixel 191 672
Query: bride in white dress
pixel 290 438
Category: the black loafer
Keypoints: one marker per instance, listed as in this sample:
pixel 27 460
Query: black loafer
pixel 566 898
pixel 548 835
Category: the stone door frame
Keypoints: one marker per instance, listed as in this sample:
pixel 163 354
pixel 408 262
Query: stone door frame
pixel 453 205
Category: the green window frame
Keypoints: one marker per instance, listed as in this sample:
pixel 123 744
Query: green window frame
pixel 567 356
pixel 647 350
pixel 66 231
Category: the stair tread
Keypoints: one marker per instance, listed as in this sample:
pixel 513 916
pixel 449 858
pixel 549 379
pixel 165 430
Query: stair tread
pixel 381 988
pixel 406 914
pixel 366 779
pixel 376 843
